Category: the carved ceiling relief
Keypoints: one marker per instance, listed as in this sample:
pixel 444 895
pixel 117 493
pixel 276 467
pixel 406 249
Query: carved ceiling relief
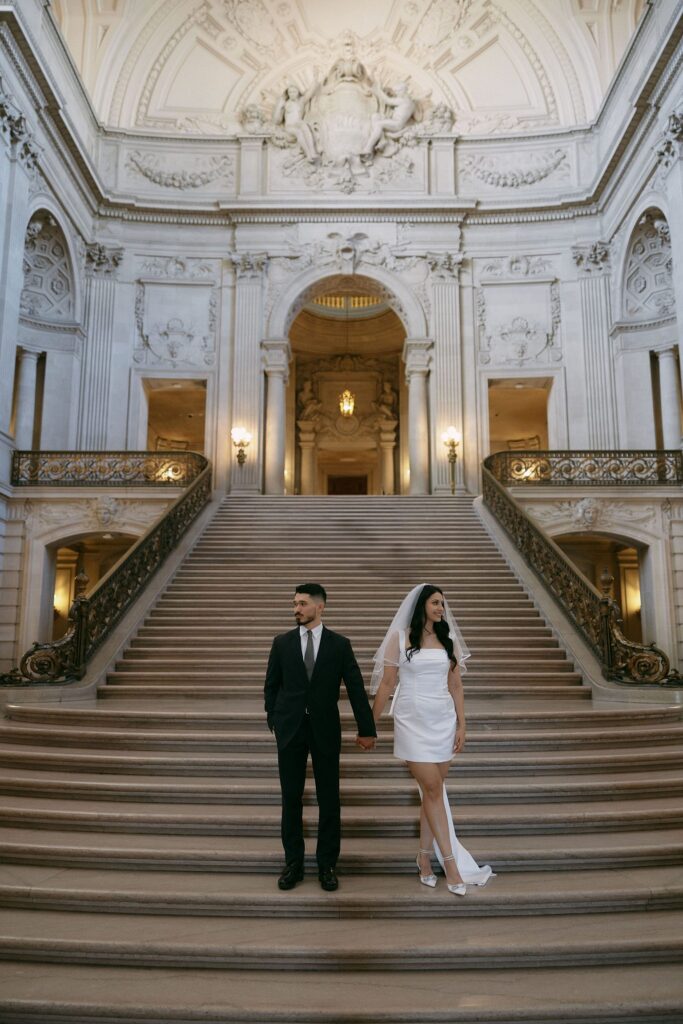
pixel 251 53
pixel 519 326
pixel 648 282
pixel 176 316
pixel 48 284
pixel 374 383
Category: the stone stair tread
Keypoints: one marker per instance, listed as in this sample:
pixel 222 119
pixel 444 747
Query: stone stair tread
pixel 239 894
pixel 483 848
pixel 604 995
pixel 252 942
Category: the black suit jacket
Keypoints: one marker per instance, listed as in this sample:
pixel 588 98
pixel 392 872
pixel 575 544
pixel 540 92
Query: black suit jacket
pixel 289 694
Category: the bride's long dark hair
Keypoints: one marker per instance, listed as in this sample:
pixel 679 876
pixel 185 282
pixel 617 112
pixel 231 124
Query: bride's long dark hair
pixel 417 624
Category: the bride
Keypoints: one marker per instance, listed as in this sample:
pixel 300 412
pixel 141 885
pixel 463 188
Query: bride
pixel 425 652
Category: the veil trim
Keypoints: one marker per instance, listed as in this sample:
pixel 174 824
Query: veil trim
pixel 401 621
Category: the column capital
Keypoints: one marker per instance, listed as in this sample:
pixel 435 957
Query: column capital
pixel 102 259
pixel 276 356
pixel 668 350
pixel 669 148
pixel 248 265
pixel 417 355
pixel 445 266
pixel 29 353
pixel 592 257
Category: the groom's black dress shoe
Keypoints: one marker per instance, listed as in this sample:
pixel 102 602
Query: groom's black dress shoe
pixel 328 879
pixel 292 874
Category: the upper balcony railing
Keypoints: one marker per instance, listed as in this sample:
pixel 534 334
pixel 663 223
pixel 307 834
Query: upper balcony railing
pixel 110 469
pixel 92 617
pixel 588 469
pixel 594 613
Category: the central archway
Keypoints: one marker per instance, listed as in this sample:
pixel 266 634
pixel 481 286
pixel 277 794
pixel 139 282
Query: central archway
pixel 346 340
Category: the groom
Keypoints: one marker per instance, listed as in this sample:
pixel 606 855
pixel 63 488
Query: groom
pixel 305 670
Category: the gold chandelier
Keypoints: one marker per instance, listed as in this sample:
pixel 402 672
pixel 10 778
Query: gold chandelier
pixel 347 402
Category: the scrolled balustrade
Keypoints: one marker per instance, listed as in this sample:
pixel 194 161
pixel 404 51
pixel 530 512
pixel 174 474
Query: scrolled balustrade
pixel 588 468
pixel 113 469
pixel 596 615
pixel 92 617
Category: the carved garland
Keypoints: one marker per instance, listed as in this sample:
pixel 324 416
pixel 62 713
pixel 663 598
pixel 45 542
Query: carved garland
pixel 145 164
pixel 486 170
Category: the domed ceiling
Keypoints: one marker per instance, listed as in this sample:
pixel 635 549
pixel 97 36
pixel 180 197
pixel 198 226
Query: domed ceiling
pixel 193 67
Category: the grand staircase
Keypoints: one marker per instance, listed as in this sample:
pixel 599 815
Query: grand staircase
pixel 140 842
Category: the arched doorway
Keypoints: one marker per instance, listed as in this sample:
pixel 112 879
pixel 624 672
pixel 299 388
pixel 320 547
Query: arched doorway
pixel 346 395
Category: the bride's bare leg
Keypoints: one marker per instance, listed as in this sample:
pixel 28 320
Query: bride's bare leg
pixel 430 779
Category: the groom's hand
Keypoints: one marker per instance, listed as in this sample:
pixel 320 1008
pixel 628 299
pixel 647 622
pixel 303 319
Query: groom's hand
pixel 365 742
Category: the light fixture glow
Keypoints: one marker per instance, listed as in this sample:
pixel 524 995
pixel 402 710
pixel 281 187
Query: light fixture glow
pixel 241 439
pixel 347 402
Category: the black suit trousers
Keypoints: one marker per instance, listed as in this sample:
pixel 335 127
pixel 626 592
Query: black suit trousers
pixel 292 761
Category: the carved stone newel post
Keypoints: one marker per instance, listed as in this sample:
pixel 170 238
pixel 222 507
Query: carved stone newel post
pixel 276 357
pixel 417 358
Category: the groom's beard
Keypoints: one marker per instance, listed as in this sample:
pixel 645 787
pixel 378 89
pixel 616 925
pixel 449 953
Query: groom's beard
pixel 301 620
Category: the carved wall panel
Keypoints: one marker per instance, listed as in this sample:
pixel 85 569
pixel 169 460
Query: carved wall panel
pixel 170 171
pixel 648 284
pixel 48 292
pixel 176 314
pixel 516 171
pixel 519 323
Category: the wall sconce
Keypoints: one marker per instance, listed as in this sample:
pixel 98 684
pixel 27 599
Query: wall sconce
pixel 347 402
pixel 451 439
pixel 241 439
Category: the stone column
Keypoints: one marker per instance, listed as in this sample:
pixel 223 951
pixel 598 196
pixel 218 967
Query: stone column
pixel 247 384
pixel 447 376
pixel 18 168
pixel 101 263
pixel 593 263
pixel 416 355
pixel 26 400
pixel 307 448
pixel 387 444
pixel 276 358
pixel 669 395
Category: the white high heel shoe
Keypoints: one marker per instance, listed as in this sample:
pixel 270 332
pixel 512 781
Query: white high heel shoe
pixel 458 890
pixel 429 880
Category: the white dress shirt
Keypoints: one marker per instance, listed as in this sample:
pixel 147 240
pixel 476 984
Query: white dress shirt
pixel 317 633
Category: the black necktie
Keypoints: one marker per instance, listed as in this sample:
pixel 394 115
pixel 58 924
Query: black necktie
pixel 309 656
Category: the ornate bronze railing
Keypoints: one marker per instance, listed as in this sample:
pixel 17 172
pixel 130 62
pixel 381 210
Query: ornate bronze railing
pixel 113 469
pixel 588 469
pixel 92 617
pixel 595 614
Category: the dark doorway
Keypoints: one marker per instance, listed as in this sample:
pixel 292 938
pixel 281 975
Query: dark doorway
pixel 347 485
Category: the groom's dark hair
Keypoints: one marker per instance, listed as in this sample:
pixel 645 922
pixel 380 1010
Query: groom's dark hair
pixel 312 589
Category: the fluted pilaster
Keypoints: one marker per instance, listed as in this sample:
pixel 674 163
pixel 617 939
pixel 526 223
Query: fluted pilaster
pixel 247 400
pixel 446 384
pixel 101 263
pixel 593 263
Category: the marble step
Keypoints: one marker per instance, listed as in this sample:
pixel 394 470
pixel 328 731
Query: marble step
pixel 246 943
pixel 147 692
pixel 70 994
pixel 572 852
pixel 250 814
pixel 252 895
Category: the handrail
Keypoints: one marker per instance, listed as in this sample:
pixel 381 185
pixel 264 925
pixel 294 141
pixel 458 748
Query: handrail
pixel 636 468
pixel 596 615
pixel 92 618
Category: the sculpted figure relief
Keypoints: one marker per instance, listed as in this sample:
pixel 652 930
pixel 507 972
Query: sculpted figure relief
pixel 290 111
pixel 383 126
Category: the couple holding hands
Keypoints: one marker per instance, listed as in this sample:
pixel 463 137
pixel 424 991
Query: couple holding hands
pixel 420 659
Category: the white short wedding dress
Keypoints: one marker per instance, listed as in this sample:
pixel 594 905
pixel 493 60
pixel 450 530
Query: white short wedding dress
pixel 424 730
